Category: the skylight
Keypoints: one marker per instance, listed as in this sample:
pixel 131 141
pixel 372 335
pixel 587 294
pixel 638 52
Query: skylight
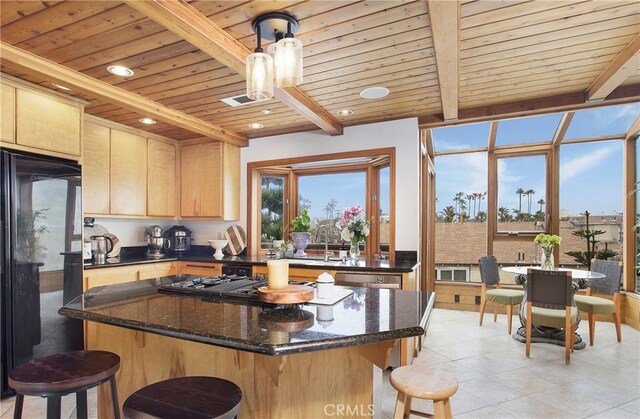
pixel 461 137
pixel 602 121
pixel 532 129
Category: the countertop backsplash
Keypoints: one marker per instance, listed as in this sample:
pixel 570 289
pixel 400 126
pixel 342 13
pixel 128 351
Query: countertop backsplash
pixel 131 232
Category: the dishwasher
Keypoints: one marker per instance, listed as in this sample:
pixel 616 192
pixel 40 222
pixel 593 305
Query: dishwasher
pixel 374 281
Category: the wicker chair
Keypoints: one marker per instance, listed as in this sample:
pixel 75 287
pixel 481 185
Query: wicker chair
pixel 549 295
pixel 609 285
pixel 491 278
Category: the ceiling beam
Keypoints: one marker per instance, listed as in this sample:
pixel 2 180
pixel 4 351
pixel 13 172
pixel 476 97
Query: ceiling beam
pixel 444 18
pixel 17 58
pixel 622 66
pixel 633 132
pixel 558 103
pixel 562 128
pixel 190 24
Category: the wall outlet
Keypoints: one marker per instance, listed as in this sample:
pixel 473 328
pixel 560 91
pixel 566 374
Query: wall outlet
pixel 456 298
pixel 477 301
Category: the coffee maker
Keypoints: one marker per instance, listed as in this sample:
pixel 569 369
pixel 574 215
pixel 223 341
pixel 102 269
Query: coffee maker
pixel 156 242
pixel 179 239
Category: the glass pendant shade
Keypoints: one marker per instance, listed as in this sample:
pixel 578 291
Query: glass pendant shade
pixel 259 76
pixel 287 55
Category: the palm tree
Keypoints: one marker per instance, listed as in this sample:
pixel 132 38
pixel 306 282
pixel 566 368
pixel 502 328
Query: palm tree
pixel 469 198
pixel 448 214
pixel 529 193
pixel 481 216
pixel 481 198
pixel 503 214
pixel 520 192
pixel 458 200
pixel 541 202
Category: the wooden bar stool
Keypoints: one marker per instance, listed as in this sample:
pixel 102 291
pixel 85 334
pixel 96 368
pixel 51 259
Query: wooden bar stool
pixel 423 383
pixel 185 397
pixel 57 375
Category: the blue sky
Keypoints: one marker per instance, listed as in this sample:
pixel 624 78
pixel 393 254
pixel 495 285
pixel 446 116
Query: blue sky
pixel 590 173
pixel 348 189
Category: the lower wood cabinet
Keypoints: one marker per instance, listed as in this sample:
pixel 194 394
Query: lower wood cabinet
pixel 119 274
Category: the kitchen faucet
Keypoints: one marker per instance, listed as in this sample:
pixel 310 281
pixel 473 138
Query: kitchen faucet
pixel 325 257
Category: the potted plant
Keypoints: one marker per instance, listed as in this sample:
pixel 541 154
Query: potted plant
pixel 354 228
pixel 287 248
pixel 300 227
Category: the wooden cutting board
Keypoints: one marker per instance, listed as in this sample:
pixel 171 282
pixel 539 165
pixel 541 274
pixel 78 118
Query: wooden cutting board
pixel 293 294
pixel 237 240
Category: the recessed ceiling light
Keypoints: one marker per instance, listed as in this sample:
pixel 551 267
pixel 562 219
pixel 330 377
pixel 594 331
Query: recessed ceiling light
pixel 374 92
pixel 265 111
pixel 148 121
pixel 345 112
pixel 59 86
pixel 120 70
pixel 255 125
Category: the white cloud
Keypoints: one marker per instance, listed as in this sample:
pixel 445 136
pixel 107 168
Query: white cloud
pixel 580 164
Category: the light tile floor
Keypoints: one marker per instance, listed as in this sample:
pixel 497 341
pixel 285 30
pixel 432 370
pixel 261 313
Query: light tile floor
pixel 496 379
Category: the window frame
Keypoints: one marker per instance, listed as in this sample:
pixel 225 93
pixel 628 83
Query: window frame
pixel 382 158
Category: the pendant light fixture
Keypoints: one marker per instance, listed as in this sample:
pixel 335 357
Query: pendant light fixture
pixel 259 72
pixel 286 63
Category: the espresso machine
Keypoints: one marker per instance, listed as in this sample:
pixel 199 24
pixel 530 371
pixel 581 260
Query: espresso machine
pixel 179 239
pixel 156 242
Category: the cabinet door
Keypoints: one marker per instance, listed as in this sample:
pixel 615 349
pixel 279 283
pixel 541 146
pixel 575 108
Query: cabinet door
pixel 8 114
pixel 208 269
pixel 161 185
pixel 190 180
pixel 211 187
pixel 128 173
pixel 95 169
pixel 47 123
pixel 109 276
pixel 231 178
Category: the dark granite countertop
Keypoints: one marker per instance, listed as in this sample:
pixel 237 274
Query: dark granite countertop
pixel 362 264
pixel 369 315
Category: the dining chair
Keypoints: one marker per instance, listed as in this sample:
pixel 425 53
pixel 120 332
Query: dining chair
pixel 491 291
pixel 609 285
pixel 549 295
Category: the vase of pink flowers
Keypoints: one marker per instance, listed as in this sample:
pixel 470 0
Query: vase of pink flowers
pixel 354 228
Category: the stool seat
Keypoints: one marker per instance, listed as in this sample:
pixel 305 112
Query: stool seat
pixel 65 372
pixel 57 375
pixel 185 397
pixel 423 382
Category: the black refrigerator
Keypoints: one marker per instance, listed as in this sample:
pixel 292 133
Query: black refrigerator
pixel 41 257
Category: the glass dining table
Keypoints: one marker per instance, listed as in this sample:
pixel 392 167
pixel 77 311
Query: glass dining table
pixel 545 334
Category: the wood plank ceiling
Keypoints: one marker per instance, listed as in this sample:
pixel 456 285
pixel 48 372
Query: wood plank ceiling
pixel 507 52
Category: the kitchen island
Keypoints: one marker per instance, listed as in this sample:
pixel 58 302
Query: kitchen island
pixel 289 361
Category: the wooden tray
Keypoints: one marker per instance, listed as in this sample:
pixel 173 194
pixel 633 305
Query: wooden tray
pixel 293 294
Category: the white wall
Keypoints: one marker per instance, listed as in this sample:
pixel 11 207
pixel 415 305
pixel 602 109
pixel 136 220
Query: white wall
pixel 401 134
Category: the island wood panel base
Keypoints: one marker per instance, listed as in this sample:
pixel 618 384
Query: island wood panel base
pixel 297 385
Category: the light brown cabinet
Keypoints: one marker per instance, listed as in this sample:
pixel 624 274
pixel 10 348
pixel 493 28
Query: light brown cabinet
pixel 47 123
pixel 95 169
pixel 161 179
pixel 120 274
pixel 195 268
pixel 128 177
pixel 210 181
pixel 8 113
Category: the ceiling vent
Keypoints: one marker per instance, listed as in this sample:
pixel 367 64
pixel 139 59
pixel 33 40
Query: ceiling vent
pixel 239 100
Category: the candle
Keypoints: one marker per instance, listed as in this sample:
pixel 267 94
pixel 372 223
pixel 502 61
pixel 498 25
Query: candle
pixel 278 273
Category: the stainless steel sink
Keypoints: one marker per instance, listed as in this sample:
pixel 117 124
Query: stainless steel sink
pixel 312 261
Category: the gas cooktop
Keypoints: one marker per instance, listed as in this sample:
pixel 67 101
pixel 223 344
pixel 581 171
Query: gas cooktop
pixel 223 288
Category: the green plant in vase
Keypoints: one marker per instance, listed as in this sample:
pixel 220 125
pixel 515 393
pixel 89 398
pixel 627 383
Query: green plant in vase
pixel 547 242
pixel 300 227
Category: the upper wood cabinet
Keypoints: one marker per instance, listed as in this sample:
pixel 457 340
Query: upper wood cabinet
pixel 161 179
pixel 95 169
pixel 210 181
pixel 128 177
pixel 8 113
pixel 126 174
pixel 47 123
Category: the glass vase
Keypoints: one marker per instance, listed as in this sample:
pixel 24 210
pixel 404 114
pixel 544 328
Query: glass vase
pixel 547 260
pixel 354 250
